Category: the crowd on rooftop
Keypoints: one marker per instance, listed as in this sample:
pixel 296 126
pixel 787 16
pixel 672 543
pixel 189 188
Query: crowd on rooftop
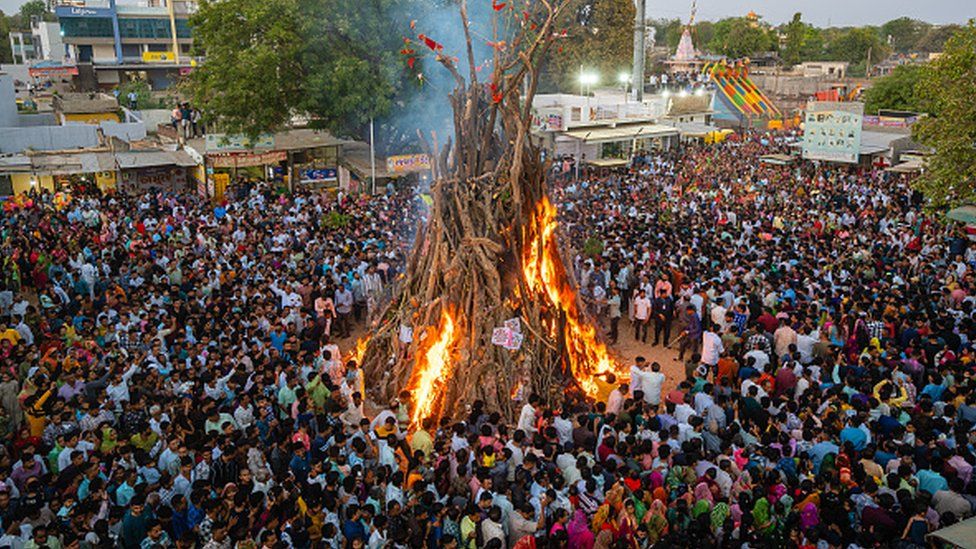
pixel 170 376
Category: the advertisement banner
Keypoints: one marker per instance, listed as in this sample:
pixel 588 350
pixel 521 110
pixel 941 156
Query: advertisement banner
pixel 158 57
pixel 832 132
pixel 224 142
pixel 547 120
pixel 53 72
pixel 319 174
pixel 408 163
pixel 244 160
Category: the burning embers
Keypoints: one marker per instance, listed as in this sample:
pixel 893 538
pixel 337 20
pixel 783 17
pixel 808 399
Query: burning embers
pixel 546 276
pixel 432 370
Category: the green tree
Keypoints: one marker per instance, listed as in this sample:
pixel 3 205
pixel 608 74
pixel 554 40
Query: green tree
pixel 895 91
pixel 32 8
pixel 945 90
pixel 353 68
pixel 702 33
pixel 903 33
pixel 252 79
pixel 737 37
pixel 795 34
pixel 335 61
pixel 934 39
pixel 606 47
pixel 854 44
pixel 6 55
pixel 813 44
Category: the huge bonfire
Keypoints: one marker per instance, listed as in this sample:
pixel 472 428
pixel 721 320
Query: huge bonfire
pixel 487 309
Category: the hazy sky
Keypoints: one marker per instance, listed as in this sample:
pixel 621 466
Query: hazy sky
pixel 818 12
pixel 823 12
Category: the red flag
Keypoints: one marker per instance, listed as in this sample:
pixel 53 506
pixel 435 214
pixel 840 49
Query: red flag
pixel 435 46
pixel 497 6
pixel 411 61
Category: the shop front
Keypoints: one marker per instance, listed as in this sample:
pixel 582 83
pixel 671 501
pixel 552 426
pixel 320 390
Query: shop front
pixel 155 171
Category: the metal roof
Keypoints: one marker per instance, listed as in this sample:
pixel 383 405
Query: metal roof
pixel 147 159
pixel 70 164
pixel 695 129
pixel 620 133
pixel 962 534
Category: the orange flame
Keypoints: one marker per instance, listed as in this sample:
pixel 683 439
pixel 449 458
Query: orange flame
pixel 432 370
pixel 546 275
pixel 360 350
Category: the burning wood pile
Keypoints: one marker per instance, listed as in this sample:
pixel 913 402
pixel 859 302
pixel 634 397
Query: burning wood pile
pixel 487 309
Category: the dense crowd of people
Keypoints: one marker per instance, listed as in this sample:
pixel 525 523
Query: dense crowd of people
pixel 170 378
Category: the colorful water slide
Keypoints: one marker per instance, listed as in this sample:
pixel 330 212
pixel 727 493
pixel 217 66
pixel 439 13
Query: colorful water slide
pixel 740 92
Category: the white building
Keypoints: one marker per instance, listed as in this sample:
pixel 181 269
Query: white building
pixel 41 43
pixel 608 128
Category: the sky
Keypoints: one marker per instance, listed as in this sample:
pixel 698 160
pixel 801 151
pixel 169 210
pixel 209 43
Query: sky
pixel 822 13
pixel 819 12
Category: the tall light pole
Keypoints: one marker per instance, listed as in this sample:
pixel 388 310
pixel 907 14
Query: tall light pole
pixel 640 48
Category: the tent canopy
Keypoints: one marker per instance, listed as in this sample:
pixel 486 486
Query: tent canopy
pixel 609 162
pixel 963 214
pixel 962 534
pixel 621 133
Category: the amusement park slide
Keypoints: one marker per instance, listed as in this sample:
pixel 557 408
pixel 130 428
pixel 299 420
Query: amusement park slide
pixel 740 91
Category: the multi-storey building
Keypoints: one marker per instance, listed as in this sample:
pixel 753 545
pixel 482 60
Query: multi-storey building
pixel 120 37
pixel 41 43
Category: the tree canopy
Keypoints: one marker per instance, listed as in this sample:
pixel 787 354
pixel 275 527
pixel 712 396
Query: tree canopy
pixel 334 61
pixel 604 46
pixel 946 89
pixel 737 37
pixel 895 91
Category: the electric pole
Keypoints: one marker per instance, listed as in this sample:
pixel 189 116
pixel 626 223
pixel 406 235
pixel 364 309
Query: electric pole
pixel 640 48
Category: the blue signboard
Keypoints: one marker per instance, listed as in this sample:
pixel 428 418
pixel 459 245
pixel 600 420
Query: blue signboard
pixel 322 174
pixel 83 11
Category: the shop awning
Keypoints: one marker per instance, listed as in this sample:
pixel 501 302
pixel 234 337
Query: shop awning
pixel 962 534
pixel 621 133
pixel 695 129
pixel 148 159
pixel 360 165
pixel 909 166
pixel 963 214
pixel 609 162
pixel 15 164
pixel 72 164
pixel 777 159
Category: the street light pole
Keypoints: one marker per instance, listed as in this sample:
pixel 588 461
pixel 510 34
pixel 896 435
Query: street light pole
pixel 640 48
pixel 372 159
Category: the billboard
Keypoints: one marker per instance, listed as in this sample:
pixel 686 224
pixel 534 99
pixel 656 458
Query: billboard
pixel 158 57
pixel 83 11
pixel 225 142
pixel 407 163
pixel 832 131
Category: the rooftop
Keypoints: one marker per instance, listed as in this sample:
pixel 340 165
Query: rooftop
pixel 85 103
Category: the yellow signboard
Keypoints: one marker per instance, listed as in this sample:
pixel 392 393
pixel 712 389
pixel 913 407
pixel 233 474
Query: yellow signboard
pixel 408 163
pixel 105 180
pixel 158 57
pixel 221 181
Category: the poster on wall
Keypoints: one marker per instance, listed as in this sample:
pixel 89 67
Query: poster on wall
pixel 319 175
pixel 408 163
pixel 832 131
pixel 158 179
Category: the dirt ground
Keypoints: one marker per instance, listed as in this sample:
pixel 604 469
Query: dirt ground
pixel 625 351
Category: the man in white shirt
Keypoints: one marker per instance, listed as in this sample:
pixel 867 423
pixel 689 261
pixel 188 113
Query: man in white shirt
pixel 526 420
pixel 641 313
pixel 712 348
pixel 653 382
pixel 637 371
